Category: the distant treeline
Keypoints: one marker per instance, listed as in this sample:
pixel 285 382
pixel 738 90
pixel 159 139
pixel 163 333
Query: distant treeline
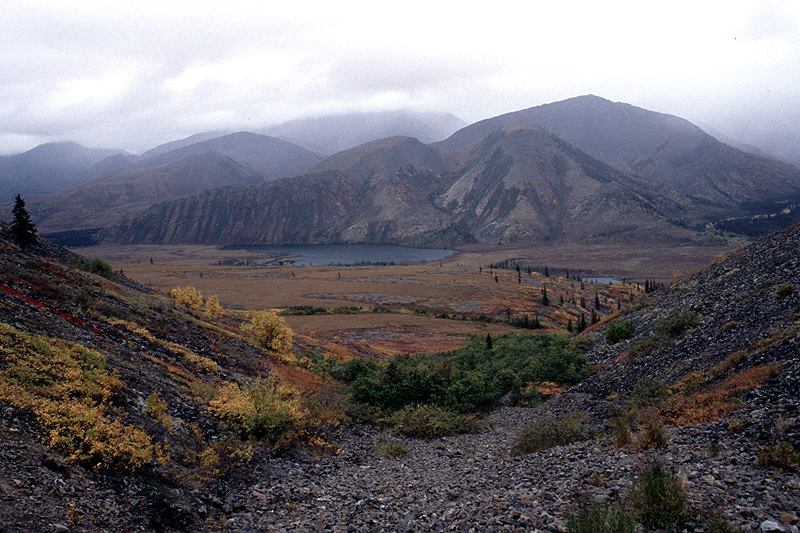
pixel 74 238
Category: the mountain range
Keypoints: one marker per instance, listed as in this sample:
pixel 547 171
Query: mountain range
pixel 580 169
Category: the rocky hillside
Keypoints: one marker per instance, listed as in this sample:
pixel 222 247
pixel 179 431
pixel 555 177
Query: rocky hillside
pixel 121 409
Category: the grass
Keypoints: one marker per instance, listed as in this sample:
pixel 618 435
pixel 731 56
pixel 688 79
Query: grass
pixel 548 432
pixel 591 517
pixel 658 497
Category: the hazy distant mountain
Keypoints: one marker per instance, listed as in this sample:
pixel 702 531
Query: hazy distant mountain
pixel 270 157
pixel 180 143
pixel 128 187
pixel 335 133
pixel 585 169
pixel 48 168
pixel 102 201
pixel 526 183
pixel 661 148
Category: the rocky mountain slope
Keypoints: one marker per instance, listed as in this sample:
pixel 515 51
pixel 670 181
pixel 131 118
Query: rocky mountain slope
pixel 660 148
pixel 517 183
pixel 127 187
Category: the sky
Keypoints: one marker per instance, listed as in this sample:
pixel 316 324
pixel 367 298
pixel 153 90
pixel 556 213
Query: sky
pixel 137 74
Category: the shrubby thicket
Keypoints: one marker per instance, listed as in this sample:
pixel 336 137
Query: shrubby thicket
pixel 472 379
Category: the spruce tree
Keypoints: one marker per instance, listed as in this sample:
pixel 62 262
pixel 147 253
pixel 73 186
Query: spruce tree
pixel 22 230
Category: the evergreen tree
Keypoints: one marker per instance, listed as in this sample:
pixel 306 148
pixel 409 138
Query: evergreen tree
pixel 569 325
pixel 22 230
pixel 488 342
pixel 545 299
pixel 597 301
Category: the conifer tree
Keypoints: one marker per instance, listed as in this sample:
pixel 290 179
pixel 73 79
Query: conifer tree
pixel 545 299
pixel 22 230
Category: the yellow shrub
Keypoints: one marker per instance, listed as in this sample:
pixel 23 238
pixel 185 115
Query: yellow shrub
pixel 271 330
pixel 66 386
pixel 213 307
pixel 257 410
pixel 188 297
pixel 157 408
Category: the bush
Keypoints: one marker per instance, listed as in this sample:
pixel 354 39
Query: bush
pixel 658 496
pixel 188 297
pixel 784 291
pixel 390 448
pixel 99 267
pixel 622 429
pixel 548 432
pixel 620 330
pixel 655 434
pixel 430 421
pixel 649 392
pixel 271 330
pixel 643 347
pixel 258 409
pixel 782 455
pixel 677 323
pixel 593 517
pixel 68 388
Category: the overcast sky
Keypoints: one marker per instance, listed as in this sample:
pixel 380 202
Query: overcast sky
pixel 136 74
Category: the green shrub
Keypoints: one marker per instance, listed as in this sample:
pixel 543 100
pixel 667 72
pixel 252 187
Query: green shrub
pixel 548 432
pixel 429 421
pixel 622 429
pixel 643 347
pixel 99 267
pixel 620 330
pixel 593 517
pixel 658 497
pixel 784 291
pixel 677 323
pixel 649 392
pixel 390 448
pixel 782 455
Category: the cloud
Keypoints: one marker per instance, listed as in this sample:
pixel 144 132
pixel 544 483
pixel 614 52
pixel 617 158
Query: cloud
pixel 142 73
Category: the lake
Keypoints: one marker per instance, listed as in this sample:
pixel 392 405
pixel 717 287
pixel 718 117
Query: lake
pixel 606 280
pixel 347 254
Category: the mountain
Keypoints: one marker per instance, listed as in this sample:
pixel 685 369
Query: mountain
pixel 524 182
pixel 270 157
pixel 127 187
pixel 513 184
pixel 102 201
pixel 730 317
pixel 49 168
pixel 660 148
pixel 379 192
pixel 181 143
pixel 335 133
